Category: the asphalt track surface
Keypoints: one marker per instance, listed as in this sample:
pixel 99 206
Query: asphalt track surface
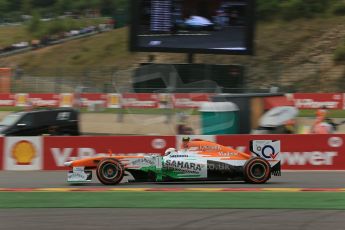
pixel 246 219
pixel 57 179
pixel 14 219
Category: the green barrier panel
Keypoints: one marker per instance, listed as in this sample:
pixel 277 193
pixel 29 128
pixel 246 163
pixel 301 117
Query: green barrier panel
pixel 219 118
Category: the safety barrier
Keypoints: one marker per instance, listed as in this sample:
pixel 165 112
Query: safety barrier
pixel 298 152
pixel 110 100
pixel 162 100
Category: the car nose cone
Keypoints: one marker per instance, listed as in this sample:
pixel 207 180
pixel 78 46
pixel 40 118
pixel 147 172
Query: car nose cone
pixel 68 163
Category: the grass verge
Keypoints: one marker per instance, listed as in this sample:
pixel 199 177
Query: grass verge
pixel 302 113
pixel 235 200
pixel 331 113
pixel 123 111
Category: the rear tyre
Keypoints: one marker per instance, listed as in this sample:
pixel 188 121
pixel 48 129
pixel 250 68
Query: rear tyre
pixel 110 171
pixel 257 171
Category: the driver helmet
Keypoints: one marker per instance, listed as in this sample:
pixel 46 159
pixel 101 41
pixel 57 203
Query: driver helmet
pixel 169 151
pixel 185 139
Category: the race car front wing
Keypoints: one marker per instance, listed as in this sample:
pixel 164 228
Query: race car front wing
pixel 79 174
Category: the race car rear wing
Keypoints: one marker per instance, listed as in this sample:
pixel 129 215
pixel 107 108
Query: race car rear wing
pixel 270 151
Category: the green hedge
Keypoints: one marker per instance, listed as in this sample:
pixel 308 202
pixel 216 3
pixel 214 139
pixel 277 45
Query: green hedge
pixel 338 9
pixel 294 9
pixel 339 54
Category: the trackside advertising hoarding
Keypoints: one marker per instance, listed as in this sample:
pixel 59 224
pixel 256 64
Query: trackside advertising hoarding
pixel 110 100
pixel 7 99
pixel 190 100
pixel 298 152
pixel 23 153
pixel 139 100
pixel 89 98
pixel 318 100
pixel 163 100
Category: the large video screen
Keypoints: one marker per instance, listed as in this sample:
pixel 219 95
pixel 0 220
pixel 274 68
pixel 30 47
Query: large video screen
pixel 193 26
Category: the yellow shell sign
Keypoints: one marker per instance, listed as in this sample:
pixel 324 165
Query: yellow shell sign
pixel 23 152
pixel 21 99
pixel 113 101
pixel 66 100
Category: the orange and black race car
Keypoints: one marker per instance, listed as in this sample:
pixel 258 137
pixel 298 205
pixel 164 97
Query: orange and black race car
pixel 196 160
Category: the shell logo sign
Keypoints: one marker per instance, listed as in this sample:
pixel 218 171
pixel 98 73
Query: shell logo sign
pixel 164 100
pixel 21 99
pixel 66 100
pixel 113 100
pixel 23 153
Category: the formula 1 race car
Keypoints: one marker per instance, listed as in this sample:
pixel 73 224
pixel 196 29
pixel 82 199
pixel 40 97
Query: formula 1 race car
pixel 200 161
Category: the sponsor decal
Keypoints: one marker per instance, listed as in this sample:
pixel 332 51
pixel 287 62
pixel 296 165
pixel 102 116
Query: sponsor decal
pixel 186 102
pixel 88 99
pixel 311 104
pixel 40 102
pixel 23 153
pixel 49 99
pixel 142 100
pixel 78 169
pixel 315 158
pixel 210 148
pixel 266 148
pixel 134 103
pixel 178 156
pixel 165 100
pixel 158 143
pixel 190 100
pixel 316 101
pixel 21 99
pixel 62 116
pixel 183 166
pixel 77 176
pixel 143 161
pixel 66 100
pixel 113 100
pixel 227 154
pixel 335 142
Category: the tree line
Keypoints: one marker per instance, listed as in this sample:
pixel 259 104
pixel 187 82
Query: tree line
pixel 265 9
pixel 13 9
pixel 294 9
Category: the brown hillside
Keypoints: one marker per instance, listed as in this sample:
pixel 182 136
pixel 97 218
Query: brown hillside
pixel 298 55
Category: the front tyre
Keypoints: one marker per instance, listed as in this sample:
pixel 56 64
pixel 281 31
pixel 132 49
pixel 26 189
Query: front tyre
pixel 257 170
pixel 110 171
